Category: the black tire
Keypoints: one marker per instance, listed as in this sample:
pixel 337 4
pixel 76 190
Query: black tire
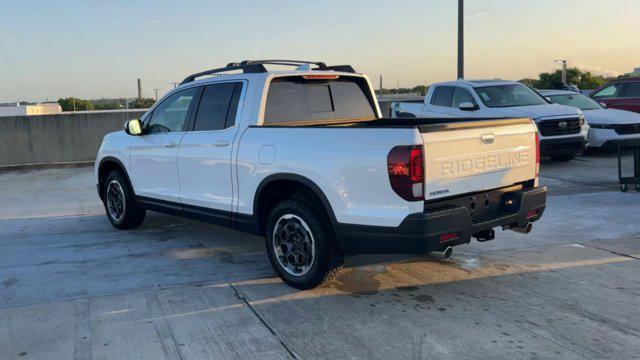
pixel 133 215
pixel 562 157
pixel 328 259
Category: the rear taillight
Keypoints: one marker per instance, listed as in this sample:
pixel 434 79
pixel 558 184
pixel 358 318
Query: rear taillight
pixel 405 165
pixel 537 154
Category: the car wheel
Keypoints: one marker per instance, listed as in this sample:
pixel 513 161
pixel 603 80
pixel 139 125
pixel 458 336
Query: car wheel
pixel 562 157
pixel 624 188
pixel 300 243
pixel 119 203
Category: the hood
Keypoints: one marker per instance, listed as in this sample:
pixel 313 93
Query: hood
pixel 611 116
pixel 537 111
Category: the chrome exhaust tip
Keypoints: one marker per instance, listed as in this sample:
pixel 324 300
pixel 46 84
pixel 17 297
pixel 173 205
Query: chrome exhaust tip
pixel 444 253
pixel 524 229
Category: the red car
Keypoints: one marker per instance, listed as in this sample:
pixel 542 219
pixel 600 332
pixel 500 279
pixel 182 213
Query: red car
pixel 621 94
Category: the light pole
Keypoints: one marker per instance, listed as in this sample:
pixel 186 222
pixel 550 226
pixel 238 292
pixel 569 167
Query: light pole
pixel 380 85
pixel 460 39
pixel 564 70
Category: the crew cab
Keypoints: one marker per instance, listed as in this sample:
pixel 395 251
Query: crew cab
pixel 303 158
pixel 563 130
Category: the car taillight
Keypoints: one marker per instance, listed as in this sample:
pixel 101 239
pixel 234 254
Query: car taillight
pixel 537 154
pixel 405 165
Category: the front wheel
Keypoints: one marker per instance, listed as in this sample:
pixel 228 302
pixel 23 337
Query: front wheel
pixel 121 208
pixel 301 245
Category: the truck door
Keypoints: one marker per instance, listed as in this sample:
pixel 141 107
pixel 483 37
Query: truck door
pixel 154 154
pixel 440 102
pixel 462 95
pixel 204 158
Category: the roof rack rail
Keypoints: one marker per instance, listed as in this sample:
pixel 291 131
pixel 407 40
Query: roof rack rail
pixel 257 66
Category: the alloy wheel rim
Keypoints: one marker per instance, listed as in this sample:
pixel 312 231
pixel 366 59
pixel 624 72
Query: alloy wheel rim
pixel 294 245
pixel 115 200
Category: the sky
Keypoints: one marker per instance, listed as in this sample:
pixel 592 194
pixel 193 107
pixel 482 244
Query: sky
pixel 97 49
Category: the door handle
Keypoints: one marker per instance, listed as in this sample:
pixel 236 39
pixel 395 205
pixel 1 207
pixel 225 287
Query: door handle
pixel 221 143
pixel 171 145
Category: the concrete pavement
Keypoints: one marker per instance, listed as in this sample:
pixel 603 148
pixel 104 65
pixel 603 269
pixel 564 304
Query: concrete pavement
pixel 73 287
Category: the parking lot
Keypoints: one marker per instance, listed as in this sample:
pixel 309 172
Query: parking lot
pixel 73 287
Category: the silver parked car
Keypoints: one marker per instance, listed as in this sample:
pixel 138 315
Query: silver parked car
pixel 607 125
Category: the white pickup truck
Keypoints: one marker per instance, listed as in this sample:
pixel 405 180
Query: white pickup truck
pixel 303 158
pixel 563 130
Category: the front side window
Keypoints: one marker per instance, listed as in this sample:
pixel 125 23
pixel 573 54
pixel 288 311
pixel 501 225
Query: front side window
pixel 576 100
pixel 608 92
pixel 460 96
pixel 509 95
pixel 218 106
pixel 632 90
pixel 171 114
pixel 296 99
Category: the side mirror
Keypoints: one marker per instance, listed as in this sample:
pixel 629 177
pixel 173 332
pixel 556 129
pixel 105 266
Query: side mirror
pixel 603 105
pixel 133 127
pixel 467 106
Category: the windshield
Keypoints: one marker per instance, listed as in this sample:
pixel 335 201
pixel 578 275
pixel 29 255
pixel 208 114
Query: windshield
pixel 509 95
pixel 576 100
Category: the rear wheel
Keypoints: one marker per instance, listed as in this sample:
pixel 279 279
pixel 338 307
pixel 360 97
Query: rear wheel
pixel 301 245
pixel 122 210
pixel 562 157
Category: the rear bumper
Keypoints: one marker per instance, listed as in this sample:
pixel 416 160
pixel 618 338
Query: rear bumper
pixel 568 145
pixel 420 232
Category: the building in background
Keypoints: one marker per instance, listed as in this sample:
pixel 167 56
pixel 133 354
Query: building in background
pixel 15 109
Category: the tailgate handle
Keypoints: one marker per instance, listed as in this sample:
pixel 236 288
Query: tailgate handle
pixel 487 138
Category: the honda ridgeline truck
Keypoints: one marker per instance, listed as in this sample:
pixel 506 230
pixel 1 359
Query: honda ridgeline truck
pixel 563 130
pixel 303 158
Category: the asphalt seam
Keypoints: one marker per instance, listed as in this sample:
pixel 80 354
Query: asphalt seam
pixel 611 251
pixel 240 295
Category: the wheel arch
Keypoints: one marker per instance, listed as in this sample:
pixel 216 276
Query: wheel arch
pixel 277 187
pixel 106 165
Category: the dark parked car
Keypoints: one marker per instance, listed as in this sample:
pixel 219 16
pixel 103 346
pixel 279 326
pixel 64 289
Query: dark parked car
pixel 623 94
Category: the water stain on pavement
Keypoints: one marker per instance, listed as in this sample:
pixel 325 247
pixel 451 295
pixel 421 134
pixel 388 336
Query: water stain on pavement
pixel 8 282
pixel 359 281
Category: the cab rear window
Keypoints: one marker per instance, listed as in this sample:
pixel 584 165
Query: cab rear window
pixel 298 100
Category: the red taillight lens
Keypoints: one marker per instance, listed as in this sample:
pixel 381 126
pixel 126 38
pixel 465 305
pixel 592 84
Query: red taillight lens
pixel 416 171
pixel 448 236
pixel 537 154
pixel 405 165
pixel 531 214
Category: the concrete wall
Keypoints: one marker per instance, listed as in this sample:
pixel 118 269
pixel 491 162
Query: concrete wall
pixel 65 137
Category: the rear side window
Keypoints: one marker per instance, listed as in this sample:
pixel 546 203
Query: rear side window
pixel 442 96
pixel 295 99
pixel 632 90
pixel 218 106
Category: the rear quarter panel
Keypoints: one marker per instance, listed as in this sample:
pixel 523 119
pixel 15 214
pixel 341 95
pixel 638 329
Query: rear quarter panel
pixel 349 165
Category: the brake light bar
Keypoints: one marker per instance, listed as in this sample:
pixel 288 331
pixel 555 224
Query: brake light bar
pixel 320 77
pixel 405 165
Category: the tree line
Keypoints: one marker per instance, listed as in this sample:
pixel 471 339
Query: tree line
pixel 76 104
pixel 584 80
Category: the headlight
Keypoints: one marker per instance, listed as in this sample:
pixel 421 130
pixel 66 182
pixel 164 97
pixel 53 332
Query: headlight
pixel 602 126
pixel 582 120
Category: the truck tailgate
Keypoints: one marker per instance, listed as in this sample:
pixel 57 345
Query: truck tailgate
pixel 471 156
